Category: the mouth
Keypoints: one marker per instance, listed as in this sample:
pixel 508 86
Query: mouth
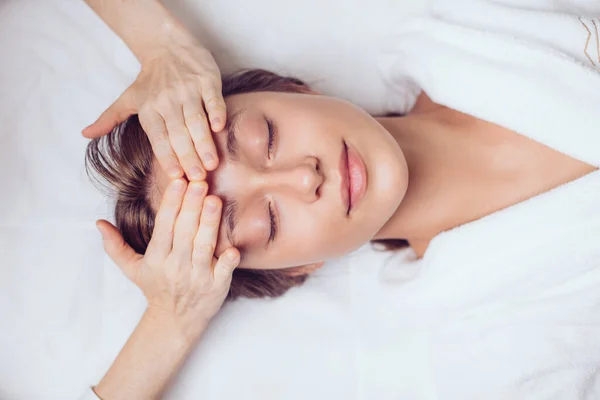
pixel 353 173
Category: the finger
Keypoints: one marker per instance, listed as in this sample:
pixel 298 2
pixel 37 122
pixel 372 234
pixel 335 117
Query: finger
pixel 161 243
pixel 182 143
pixel 118 250
pixel 197 124
pixel 156 130
pixel 206 239
pixel 215 107
pixel 227 263
pixel 118 112
pixel 188 220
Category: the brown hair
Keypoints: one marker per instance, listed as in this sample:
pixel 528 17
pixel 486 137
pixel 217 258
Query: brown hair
pixel 121 164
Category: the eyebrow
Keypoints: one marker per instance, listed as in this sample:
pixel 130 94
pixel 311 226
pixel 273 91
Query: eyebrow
pixel 231 218
pixel 232 143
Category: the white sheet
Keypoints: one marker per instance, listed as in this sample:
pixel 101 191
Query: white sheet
pixel 65 310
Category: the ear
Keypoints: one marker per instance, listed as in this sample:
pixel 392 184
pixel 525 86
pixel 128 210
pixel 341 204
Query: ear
pixel 304 269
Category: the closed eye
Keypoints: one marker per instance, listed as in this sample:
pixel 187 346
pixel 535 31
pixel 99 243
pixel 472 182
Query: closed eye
pixel 273 233
pixel 271 140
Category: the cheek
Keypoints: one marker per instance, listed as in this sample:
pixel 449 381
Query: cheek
pixel 319 236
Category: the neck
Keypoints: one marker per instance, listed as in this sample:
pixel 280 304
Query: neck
pixel 444 163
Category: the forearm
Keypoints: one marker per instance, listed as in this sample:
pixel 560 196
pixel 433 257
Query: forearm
pixel 150 358
pixel 144 25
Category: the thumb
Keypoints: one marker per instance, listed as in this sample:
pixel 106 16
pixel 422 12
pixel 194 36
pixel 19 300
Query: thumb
pixel 118 112
pixel 118 250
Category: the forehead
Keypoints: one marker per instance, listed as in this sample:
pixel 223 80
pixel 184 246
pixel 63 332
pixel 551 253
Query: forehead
pixel 160 182
pixel 268 101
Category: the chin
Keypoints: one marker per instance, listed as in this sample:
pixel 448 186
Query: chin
pixel 388 183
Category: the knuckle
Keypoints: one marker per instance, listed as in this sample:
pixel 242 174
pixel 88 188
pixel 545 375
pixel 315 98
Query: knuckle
pixel 205 141
pixel 147 108
pixel 177 130
pixel 173 91
pixel 203 286
pixel 212 222
pixel 153 128
pixel 198 116
pixel 166 107
pixel 204 249
pixel 190 90
pixel 182 257
pixel 214 102
pixel 226 266
pixel 217 81
pixel 184 249
pixel 162 149
pixel 158 133
pixel 190 161
pixel 162 100
pixel 198 258
pixel 211 76
pixel 180 143
pixel 165 217
pixel 171 276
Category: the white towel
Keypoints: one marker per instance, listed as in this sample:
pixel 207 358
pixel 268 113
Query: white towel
pixel 520 67
pixel 505 307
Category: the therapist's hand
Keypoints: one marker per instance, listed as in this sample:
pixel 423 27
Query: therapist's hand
pixel 178 86
pixel 184 282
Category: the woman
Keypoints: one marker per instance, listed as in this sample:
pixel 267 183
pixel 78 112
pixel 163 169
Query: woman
pixel 304 178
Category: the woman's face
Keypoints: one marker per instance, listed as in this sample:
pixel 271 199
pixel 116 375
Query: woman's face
pixel 303 178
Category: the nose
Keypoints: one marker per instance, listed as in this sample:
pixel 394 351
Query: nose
pixel 302 179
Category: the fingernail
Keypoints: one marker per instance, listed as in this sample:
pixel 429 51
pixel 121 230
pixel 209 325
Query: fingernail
pixel 211 207
pixel 196 173
pixel 215 121
pixel 173 172
pixel 232 255
pixel 177 186
pixel 209 158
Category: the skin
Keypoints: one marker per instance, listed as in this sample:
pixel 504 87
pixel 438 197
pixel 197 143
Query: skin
pixel 301 178
pixel 443 151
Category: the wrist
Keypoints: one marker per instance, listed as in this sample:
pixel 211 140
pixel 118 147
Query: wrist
pixel 169 44
pixel 167 34
pixel 184 330
pixel 148 28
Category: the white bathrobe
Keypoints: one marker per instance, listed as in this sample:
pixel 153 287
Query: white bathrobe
pixel 508 306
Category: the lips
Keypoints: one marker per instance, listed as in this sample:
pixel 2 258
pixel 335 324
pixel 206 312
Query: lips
pixel 353 174
pixel 345 179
